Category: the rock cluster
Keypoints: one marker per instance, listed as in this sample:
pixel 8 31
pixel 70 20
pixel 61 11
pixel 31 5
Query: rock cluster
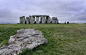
pixel 25 38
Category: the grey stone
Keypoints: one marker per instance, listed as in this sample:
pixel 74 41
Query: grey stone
pixel 32 19
pixel 22 20
pixel 37 19
pixel 43 19
pixel 48 20
pixel 25 38
pixel 40 20
pixel 54 20
pixel 27 20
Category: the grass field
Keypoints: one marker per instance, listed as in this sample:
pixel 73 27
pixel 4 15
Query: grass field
pixel 64 39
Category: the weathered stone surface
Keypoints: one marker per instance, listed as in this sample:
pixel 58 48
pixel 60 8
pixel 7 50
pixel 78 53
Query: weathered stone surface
pixel 32 19
pixel 43 19
pixel 37 19
pixel 48 20
pixel 40 21
pixel 25 38
pixel 22 20
pixel 54 20
pixel 27 20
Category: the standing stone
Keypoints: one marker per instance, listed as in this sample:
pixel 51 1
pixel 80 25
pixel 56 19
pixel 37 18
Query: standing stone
pixel 54 20
pixel 37 19
pixel 43 19
pixel 40 20
pixel 27 20
pixel 32 19
pixel 22 20
pixel 48 21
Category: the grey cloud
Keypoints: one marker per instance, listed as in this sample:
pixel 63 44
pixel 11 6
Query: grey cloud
pixel 81 16
pixel 65 10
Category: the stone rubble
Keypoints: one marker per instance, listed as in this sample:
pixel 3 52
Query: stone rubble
pixel 25 38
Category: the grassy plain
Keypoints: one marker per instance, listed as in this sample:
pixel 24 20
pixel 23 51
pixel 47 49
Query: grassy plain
pixel 64 39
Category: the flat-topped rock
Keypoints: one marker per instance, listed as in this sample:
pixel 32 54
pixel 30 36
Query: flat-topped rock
pixel 25 38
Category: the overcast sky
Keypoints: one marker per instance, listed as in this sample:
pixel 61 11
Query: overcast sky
pixel 73 11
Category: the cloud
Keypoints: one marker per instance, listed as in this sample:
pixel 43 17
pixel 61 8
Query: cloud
pixel 65 10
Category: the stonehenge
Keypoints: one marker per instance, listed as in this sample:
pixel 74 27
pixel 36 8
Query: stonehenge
pixel 38 19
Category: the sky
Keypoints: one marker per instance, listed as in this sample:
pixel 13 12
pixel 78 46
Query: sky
pixel 73 11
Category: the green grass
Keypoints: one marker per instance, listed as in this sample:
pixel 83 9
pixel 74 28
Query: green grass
pixel 64 39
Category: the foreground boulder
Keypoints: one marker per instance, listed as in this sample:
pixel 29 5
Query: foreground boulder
pixel 25 38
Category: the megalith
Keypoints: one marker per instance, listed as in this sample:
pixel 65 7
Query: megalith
pixel 32 19
pixel 27 20
pixel 22 20
pixel 37 19
pixel 40 20
pixel 54 20
pixel 48 19
pixel 43 19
